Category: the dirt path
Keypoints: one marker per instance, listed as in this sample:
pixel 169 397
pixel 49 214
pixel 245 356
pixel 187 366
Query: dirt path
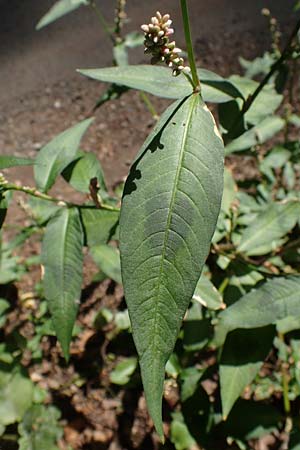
pixel 30 60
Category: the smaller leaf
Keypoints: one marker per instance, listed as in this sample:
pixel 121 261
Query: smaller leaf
pixel 242 356
pixel 265 232
pixel 14 161
pixel 99 225
pixel 179 433
pixel 120 54
pixel 229 192
pixel 16 391
pixel 134 39
pixel 208 295
pixel 268 96
pixel 276 158
pixel 41 210
pixel 40 429
pixel 276 299
pixel 58 154
pixel 62 259
pixel 295 120
pixel 288 324
pixel 58 10
pixel 256 135
pixel 80 172
pixel 107 259
pixel 123 371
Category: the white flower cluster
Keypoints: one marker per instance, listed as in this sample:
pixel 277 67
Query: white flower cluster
pixel 157 43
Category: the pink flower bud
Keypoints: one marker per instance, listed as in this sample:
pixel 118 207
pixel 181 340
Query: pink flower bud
pixel 166 17
pixel 169 31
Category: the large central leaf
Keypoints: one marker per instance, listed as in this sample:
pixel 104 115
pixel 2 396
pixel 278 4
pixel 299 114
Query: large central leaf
pixel 170 207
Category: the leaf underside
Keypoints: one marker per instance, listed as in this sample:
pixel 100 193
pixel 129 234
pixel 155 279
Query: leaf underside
pixel 170 207
pixel 58 154
pixel 158 81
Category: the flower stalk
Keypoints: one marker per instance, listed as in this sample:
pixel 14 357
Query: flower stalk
pixel 189 45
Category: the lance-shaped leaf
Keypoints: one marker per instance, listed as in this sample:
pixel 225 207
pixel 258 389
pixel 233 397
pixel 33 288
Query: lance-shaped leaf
pixel 59 9
pixel 274 300
pixel 62 259
pixel 170 207
pixel 80 172
pixel 243 355
pixel 159 81
pixel 257 135
pixel 58 154
pixel 265 232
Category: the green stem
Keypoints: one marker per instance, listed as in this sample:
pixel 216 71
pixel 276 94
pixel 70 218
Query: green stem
pixel 102 20
pixel 149 105
pixel 35 193
pixel 189 45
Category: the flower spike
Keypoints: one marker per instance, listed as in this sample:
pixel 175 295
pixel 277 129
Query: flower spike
pixel 157 43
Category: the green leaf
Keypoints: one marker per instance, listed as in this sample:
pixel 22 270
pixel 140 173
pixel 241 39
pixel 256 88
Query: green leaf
pixel 5 198
pixel 159 81
pixel 294 120
pixel 170 208
pixel 107 259
pixel 208 295
pixel 59 9
pixel 62 259
pixel 229 192
pixel 58 154
pixel 80 172
pixel 99 225
pixel 120 54
pixel 179 433
pixel 274 300
pixel 134 39
pixel 40 429
pixel 13 161
pixel 123 371
pixel 256 135
pixel 265 232
pixel 258 66
pixel 16 391
pixel 268 96
pixel 41 210
pixel 288 324
pixel 197 330
pixel 242 357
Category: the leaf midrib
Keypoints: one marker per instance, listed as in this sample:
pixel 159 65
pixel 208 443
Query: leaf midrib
pixel 62 272
pixel 169 218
